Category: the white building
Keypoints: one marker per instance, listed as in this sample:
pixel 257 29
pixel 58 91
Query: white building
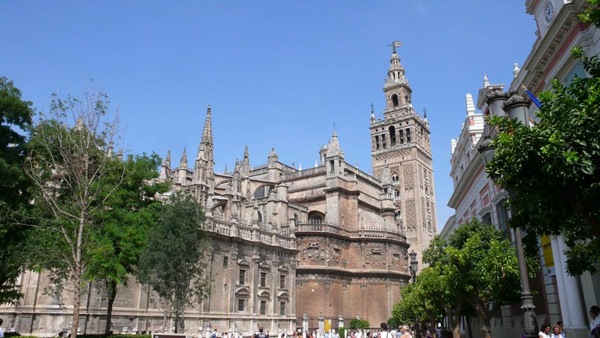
pixel 559 296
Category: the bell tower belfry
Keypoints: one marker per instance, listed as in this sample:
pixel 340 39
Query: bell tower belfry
pixel 400 143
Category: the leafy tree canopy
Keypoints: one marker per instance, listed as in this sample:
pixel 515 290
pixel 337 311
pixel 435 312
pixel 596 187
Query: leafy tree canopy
pixel 131 209
pixel 174 261
pixel 69 162
pixel 552 169
pixel 15 119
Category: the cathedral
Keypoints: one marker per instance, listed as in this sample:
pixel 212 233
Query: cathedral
pixel 292 249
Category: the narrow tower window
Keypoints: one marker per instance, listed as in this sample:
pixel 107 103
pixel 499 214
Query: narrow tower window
pixel 376 142
pixel 395 100
pixel 392 136
pixel 408 135
pixel 401 136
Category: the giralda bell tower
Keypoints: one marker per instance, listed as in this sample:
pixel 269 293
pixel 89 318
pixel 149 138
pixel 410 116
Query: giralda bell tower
pixel 401 142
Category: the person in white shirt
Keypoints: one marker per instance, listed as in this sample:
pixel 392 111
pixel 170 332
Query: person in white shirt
pixel 595 322
pixel 544 331
pixel 384 331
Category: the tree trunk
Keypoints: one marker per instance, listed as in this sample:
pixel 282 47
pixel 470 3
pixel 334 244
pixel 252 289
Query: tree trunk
pixel 111 294
pixel 469 327
pixel 76 300
pixel 77 276
pixel 456 322
pixel 486 331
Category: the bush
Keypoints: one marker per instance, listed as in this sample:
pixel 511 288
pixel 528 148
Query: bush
pixel 359 324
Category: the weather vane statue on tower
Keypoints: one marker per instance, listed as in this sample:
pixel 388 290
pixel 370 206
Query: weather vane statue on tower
pixel 395 44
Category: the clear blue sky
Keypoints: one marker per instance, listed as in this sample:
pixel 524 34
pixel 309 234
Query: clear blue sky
pixel 276 73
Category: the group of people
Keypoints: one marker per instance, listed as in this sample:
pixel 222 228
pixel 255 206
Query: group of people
pixel 556 331
pixel 403 332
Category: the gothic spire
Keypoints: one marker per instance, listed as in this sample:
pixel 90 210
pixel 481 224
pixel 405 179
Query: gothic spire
pixel 168 159
pixel 246 155
pixel 245 168
pixel 183 163
pixel 334 148
pixel 205 150
pixel 165 168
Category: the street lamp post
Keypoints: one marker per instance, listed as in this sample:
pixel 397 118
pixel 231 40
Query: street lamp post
pixel 516 106
pixel 414 266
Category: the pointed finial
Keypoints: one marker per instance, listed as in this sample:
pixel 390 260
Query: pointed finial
pixel 372 113
pixel 184 160
pixel 470 105
pixel 425 113
pixel 486 82
pixel 246 155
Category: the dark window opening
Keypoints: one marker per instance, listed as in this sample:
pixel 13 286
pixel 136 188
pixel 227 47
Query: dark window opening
pixel 263 307
pixel 395 100
pixel 242 277
pixel 392 136
pixel 376 142
pixel 263 279
pixel 408 135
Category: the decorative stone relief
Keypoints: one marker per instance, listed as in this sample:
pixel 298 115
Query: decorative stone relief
pixel 375 258
pixel 411 215
pixel 313 252
pixel 408 176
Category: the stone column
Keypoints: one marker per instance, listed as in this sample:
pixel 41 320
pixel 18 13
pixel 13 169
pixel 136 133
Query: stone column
pixel 568 289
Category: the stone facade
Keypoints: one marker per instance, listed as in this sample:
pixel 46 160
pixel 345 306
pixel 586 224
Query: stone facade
pixel 401 143
pixel 328 242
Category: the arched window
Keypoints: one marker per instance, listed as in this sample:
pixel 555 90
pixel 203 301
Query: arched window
pixel 261 192
pixel 315 217
pixel 218 212
pixel 392 136
pixel 395 100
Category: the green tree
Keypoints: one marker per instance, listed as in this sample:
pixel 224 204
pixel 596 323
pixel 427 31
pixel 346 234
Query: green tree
pixel 121 236
pixel 173 264
pixel 441 284
pixel 475 270
pixel 68 161
pixel 552 169
pixel 483 270
pixel 359 324
pixel 422 302
pixel 15 118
